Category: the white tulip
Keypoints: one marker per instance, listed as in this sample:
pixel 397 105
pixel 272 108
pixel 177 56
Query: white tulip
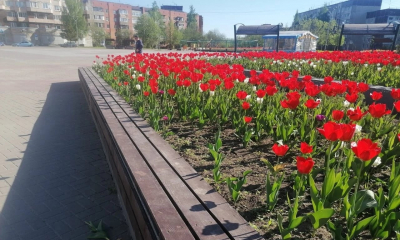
pixel 246 80
pixel 212 93
pixel 260 100
pixel 358 128
pixel 353 144
pixel 248 96
pixel 280 142
pixel 137 86
pixel 346 103
pixel 254 88
pixel 377 162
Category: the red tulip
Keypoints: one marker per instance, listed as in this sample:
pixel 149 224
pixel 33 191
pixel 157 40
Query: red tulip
pixel 365 149
pixel 241 95
pixel 171 92
pixel 395 93
pixel 397 106
pixel 337 115
pixel 140 79
pixel 204 87
pixel 311 104
pixel 146 94
pixel 271 90
pixel 376 96
pixel 348 132
pixel 352 97
pixel 245 105
pixel 378 110
pixel 280 150
pixel 304 165
pixel 363 87
pixel 331 131
pixel 261 93
pixel 248 119
pixel 355 115
pixel 312 90
pixel 187 83
pixel 328 79
pixel 305 148
pixel 293 100
pixel 398 137
pixel 126 83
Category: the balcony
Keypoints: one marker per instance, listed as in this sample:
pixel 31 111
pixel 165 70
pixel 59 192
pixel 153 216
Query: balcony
pixel 42 20
pixel 11 19
pixel 41 10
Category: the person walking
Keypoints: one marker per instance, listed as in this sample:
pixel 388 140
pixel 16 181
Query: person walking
pixel 138 45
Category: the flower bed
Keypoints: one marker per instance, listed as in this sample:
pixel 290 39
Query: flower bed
pixel 328 160
pixel 377 68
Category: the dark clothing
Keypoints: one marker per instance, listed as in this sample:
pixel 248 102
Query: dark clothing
pixel 139 46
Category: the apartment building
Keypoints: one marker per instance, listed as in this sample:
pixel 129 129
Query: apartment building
pixel 351 12
pixel 40 22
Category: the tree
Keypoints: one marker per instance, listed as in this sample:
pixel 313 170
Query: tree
pixel 158 18
pixel 98 36
pixel 323 14
pixel 172 35
pixel 148 30
pixel 191 18
pixel 121 35
pixel 192 34
pixel 74 23
pixel 214 35
pixel 328 32
pixel 296 21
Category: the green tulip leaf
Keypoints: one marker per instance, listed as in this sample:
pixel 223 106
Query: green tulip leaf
pixel 364 199
pixel 319 218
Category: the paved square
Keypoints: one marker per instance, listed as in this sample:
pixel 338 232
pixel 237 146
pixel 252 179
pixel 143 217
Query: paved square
pixel 53 173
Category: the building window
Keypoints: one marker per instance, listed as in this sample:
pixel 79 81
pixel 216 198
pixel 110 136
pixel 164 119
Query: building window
pixel 100 25
pixel 136 13
pixel 134 21
pixel 22 14
pixel 24 24
pixel 46 5
pixel 57 8
pixel 123 19
pixel 124 27
pixel 57 17
pixel 98 17
pixel 9 3
pixel 13 24
pixel 115 20
pixel 108 25
pixel 11 14
pixel 107 18
pixel 33 4
pixel 106 10
pixel 20 4
pixel 97 9
pixel 58 26
pixel 122 11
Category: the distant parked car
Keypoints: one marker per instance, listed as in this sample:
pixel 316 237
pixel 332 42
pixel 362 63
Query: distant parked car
pixel 69 44
pixel 23 44
pixel 2 44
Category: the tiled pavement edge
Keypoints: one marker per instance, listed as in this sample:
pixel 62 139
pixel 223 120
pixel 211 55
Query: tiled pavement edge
pixel 53 172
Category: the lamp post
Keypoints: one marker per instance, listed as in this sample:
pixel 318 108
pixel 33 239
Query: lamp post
pixel 396 25
pixel 234 27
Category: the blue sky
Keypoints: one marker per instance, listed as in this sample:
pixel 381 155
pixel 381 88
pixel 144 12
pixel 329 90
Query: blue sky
pixel 223 14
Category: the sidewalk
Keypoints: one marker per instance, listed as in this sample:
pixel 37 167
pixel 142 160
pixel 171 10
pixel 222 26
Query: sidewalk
pixel 53 173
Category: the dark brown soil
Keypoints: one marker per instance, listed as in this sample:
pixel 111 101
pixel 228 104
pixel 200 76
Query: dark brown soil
pixel 191 143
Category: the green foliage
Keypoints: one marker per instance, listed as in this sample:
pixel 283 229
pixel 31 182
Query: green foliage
pixel 296 21
pixel 98 36
pixel 191 18
pixel 172 35
pixel 327 31
pixel 74 23
pixel 97 232
pixel 323 15
pixel 148 30
pixel 214 35
pixel 236 184
pixel 121 35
